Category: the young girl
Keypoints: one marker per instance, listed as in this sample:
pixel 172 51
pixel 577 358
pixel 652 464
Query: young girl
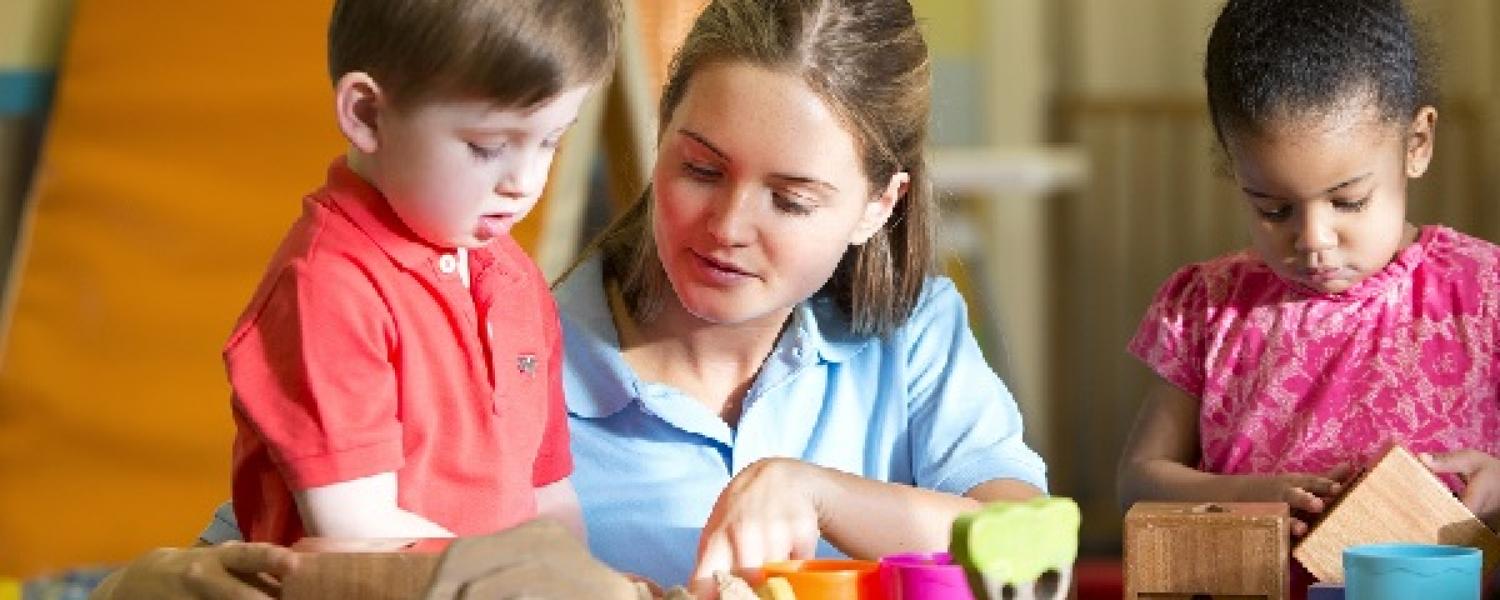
pixel 1344 328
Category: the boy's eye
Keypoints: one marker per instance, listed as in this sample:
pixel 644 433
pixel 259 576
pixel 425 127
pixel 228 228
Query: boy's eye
pixel 485 152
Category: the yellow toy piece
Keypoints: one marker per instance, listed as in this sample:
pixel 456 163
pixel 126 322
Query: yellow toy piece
pixel 776 588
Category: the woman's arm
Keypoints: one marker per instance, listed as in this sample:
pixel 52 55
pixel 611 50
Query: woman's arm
pixel 778 508
pixel 866 518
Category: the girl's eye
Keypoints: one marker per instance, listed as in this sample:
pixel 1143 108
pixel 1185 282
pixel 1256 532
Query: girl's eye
pixel 1352 205
pixel 1276 215
pixel 789 205
pixel 485 152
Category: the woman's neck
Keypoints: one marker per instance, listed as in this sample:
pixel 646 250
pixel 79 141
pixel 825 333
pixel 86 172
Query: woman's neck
pixel 711 362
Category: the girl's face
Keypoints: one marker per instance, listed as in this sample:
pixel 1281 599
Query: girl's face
pixel 759 191
pixel 1327 195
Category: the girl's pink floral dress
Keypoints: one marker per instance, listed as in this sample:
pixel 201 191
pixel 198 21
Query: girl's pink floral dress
pixel 1292 380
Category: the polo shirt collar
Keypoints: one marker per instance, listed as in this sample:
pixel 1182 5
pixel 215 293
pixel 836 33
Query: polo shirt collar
pixel 826 331
pixel 817 325
pixel 592 344
pixel 368 209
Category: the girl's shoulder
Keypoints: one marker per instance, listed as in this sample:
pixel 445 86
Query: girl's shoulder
pixel 1450 253
pixel 1218 279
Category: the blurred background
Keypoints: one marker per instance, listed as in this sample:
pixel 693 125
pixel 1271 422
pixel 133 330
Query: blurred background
pixel 152 152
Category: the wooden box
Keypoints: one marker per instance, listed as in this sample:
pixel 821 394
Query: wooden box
pixel 1220 550
pixel 1397 500
pixel 366 569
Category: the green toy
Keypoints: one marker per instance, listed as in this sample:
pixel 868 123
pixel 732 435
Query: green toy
pixel 1017 545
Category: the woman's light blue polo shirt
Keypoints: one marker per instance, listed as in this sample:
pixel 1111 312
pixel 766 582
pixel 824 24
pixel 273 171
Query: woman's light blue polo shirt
pixel 919 407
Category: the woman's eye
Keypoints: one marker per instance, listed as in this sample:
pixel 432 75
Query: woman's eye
pixel 789 205
pixel 700 172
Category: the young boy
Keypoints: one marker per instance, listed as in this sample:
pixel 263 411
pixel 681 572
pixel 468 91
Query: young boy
pixel 398 372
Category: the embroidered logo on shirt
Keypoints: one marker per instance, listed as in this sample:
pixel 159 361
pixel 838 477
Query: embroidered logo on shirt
pixel 526 364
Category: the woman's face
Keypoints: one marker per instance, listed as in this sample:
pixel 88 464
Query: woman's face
pixel 759 191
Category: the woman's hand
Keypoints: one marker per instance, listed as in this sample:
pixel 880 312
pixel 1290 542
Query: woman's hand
pixel 1481 475
pixel 768 512
pixel 232 571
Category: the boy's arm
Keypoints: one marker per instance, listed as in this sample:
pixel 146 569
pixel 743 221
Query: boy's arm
pixel 363 508
pixel 559 502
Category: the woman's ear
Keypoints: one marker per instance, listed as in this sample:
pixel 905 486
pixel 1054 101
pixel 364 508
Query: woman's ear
pixel 1421 137
pixel 878 210
pixel 357 102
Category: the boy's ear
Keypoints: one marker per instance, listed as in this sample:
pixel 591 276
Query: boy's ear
pixel 878 210
pixel 1421 138
pixel 357 102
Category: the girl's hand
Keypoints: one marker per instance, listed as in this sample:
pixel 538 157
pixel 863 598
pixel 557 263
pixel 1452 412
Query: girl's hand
pixel 232 571
pixel 1308 495
pixel 768 512
pixel 1481 475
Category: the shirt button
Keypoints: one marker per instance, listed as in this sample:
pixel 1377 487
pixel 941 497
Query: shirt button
pixel 448 263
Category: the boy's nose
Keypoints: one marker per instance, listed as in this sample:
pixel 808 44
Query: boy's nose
pixel 526 177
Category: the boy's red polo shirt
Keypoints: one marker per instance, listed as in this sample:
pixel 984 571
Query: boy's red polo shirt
pixel 362 352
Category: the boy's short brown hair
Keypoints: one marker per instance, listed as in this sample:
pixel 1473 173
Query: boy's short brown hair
pixel 514 52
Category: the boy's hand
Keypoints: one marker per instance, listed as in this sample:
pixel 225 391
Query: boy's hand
pixel 232 571
pixel 1307 494
pixel 1481 475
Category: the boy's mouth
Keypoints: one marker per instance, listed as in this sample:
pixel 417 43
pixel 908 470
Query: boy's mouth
pixel 494 224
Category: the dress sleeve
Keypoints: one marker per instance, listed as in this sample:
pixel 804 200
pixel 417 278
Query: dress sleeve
pixel 965 425
pixel 312 374
pixel 1170 339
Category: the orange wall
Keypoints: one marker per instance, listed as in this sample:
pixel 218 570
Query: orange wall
pixel 183 136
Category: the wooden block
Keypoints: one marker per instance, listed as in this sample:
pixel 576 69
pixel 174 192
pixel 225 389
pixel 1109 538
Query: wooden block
pixel 1220 550
pixel 1397 500
pixel 369 569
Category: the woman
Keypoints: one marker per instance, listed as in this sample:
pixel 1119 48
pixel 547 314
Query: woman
pixel 758 354
pixel 759 344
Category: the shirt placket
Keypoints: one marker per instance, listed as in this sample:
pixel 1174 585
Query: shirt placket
pixel 459 300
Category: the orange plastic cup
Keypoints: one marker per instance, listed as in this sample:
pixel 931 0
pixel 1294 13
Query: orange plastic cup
pixel 829 579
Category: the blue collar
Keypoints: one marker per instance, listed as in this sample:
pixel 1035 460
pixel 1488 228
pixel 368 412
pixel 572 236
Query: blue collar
pixel 592 343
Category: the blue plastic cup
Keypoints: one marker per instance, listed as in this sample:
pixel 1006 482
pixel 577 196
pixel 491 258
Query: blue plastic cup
pixel 1406 571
